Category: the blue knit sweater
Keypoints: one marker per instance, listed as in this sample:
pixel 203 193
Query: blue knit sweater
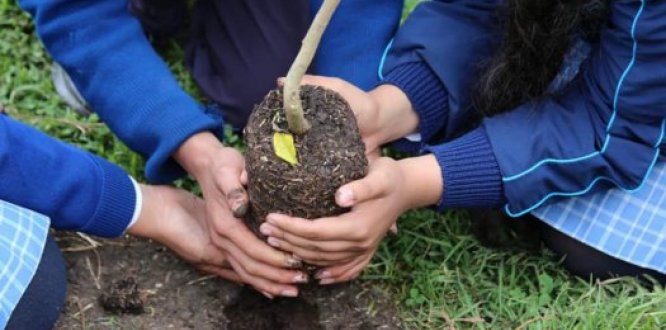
pixel 77 190
pixel 103 48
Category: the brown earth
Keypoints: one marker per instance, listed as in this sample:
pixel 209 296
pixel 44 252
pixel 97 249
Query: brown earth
pixel 174 295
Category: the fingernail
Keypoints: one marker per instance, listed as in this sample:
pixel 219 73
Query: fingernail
pixel 267 295
pixel 265 229
pixel 323 274
pixel 300 278
pixel 239 208
pixel 327 281
pixel 345 197
pixel 294 262
pixel 289 293
pixel 271 219
pixel 272 241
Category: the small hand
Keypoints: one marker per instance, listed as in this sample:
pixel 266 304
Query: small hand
pixel 365 108
pixel 177 219
pixel 345 244
pixel 383 115
pixel 220 173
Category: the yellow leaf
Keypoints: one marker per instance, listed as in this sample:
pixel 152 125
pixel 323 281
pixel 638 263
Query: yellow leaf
pixel 283 143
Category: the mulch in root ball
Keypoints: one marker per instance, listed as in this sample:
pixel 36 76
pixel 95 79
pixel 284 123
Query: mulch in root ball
pixel 330 155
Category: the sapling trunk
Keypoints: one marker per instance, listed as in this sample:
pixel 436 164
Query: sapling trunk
pixel 293 104
pixel 293 173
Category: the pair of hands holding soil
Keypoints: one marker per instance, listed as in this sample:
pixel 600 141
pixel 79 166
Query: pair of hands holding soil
pixel 211 235
pixel 344 245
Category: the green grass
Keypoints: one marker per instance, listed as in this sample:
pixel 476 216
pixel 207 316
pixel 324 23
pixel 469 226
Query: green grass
pixel 442 277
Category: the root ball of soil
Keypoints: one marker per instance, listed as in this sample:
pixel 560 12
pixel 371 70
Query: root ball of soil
pixel 330 155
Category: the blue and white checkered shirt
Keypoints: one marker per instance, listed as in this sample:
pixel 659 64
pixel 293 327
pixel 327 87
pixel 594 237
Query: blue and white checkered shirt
pixel 22 237
pixel 630 226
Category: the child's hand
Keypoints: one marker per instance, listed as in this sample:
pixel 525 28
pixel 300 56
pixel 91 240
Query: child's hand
pixel 365 108
pixel 177 219
pixel 383 115
pixel 220 171
pixel 345 244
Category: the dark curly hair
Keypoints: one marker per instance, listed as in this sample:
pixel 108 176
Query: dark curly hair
pixel 536 37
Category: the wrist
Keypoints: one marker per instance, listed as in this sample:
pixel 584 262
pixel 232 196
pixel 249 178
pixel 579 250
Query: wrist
pixel 138 204
pixel 143 227
pixel 395 115
pixel 423 181
pixel 195 154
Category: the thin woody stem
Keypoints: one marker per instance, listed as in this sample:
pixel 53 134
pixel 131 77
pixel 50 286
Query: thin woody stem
pixel 293 105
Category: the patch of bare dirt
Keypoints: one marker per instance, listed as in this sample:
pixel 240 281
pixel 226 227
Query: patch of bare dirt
pixel 173 295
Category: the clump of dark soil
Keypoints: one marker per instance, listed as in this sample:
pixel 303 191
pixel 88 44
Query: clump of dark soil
pixel 330 155
pixel 123 297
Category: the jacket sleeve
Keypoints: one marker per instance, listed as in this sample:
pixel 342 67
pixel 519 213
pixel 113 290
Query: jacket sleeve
pixel 606 127
pixel 103 48
pixel 434 59
pixel 77 190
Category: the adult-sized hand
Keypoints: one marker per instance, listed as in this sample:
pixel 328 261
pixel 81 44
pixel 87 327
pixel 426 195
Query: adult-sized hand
pixel 220 173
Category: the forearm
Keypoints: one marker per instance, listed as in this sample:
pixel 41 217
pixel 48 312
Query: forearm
pixel 144 224
pixel 196 154
pixel 395 115
pixel 123 79
pixel 424 184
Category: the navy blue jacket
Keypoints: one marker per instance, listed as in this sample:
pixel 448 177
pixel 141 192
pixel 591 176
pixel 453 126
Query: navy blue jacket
pixel 606 126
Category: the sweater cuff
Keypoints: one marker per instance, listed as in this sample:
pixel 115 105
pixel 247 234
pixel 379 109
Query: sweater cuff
pixel 471 174
pixel 116 205
pixel 426 93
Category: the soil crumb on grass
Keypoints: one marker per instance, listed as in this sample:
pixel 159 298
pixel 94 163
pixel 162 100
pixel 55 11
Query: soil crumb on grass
pixel 123 297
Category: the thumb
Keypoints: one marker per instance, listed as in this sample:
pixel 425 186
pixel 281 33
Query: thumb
pixel 228 182
pixel 373 186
